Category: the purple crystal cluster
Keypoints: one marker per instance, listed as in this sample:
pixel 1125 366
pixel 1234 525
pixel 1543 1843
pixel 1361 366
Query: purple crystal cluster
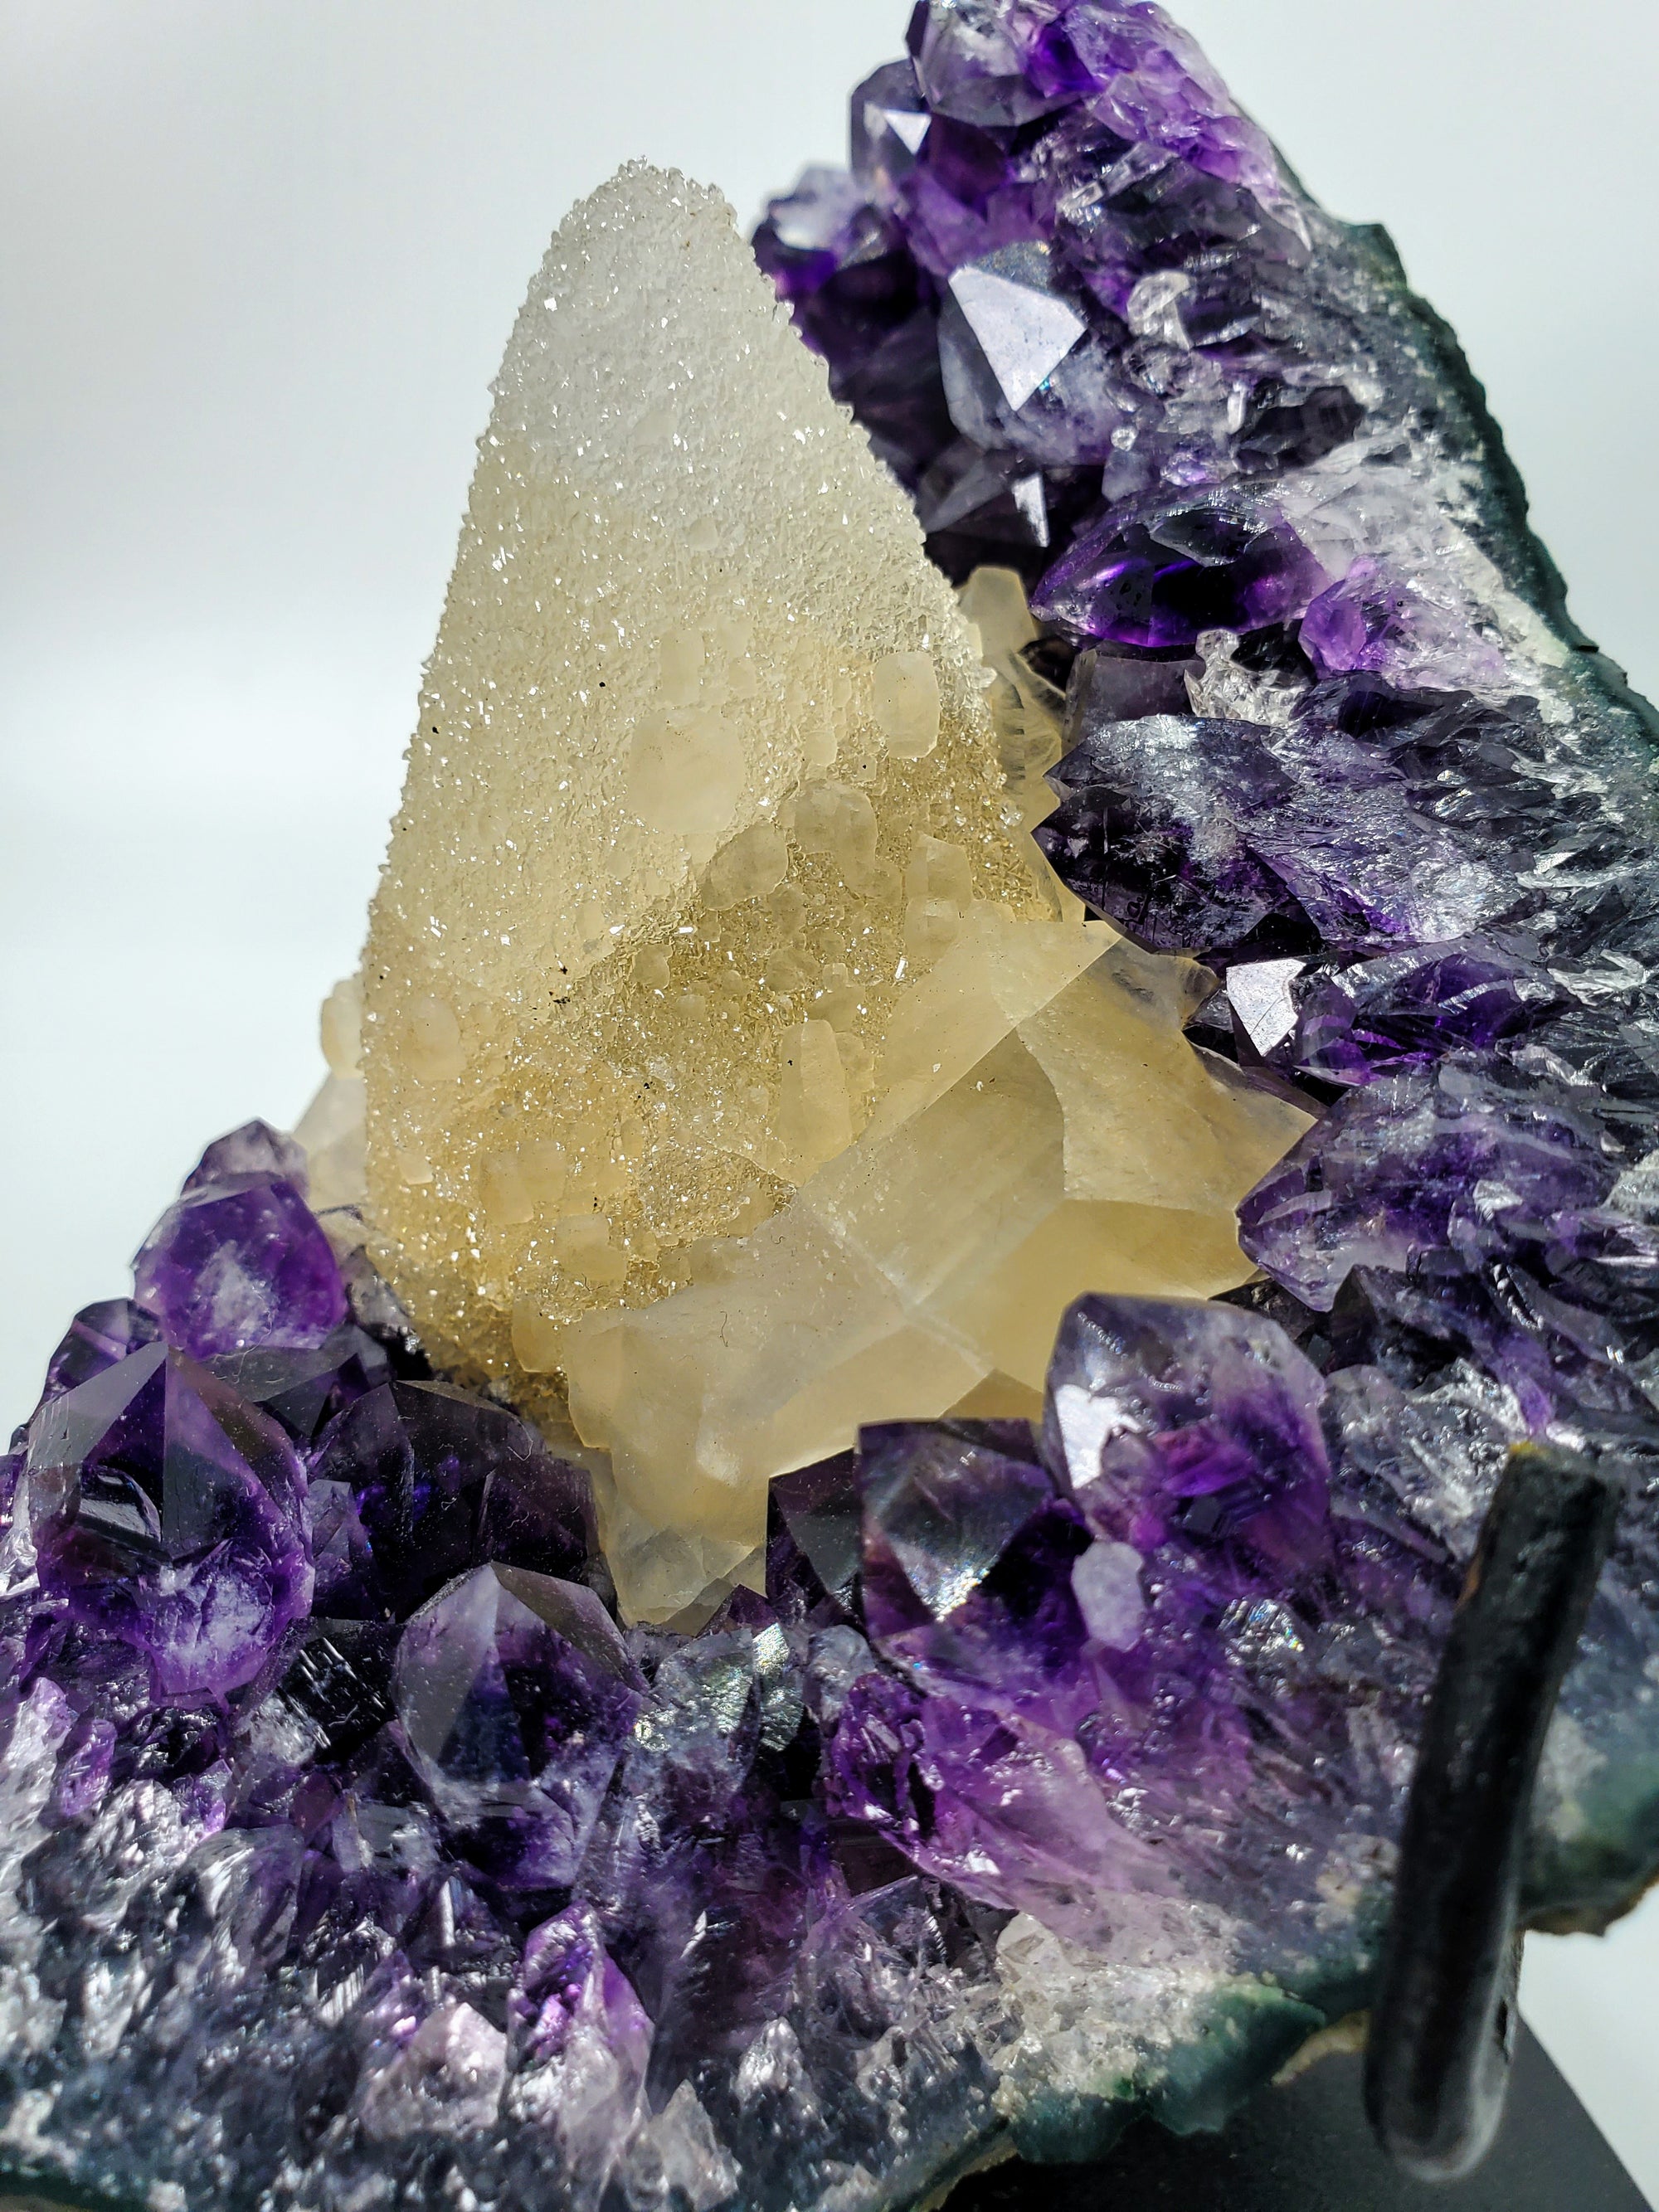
pixel 354 1851
pixel 353 1845
pixel 1327 728
pixel 1146 1653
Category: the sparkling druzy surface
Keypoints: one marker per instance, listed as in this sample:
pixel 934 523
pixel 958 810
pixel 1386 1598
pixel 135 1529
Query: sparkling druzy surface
pixel 713 962
pixel 1045 1767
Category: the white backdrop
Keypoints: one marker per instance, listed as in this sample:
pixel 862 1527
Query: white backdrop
pixel 258 259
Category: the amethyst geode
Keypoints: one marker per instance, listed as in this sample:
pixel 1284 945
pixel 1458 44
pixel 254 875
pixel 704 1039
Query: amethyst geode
pixel 352 1852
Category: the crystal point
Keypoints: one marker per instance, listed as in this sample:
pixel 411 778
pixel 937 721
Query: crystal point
pixel 169 1513
pixel 516 1694
pixel 239 1262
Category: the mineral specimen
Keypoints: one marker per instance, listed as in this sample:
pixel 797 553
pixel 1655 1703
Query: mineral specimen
pixel 711 964
pixel 1019 1771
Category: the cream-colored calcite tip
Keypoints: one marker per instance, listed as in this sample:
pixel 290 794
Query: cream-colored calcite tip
pixel 736 1071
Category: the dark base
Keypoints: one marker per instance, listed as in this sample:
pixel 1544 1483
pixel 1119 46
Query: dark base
pixel 1306 2148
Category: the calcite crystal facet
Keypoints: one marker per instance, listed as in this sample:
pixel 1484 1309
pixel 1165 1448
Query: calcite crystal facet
pixel 763 1720
pixel 713 964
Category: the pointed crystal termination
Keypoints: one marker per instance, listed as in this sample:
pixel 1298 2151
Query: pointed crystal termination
pixel 240 1261
pixel 170 1514
pixel 1122 1652
pixel 517 1695
pixel 695 1006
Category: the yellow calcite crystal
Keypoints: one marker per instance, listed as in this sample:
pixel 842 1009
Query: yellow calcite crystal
pixel 736 1071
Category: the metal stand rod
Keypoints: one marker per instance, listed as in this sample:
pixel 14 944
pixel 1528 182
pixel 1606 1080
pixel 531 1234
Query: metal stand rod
pixel 1443 2030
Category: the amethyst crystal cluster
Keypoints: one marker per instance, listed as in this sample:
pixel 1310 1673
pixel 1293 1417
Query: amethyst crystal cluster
pixel 354 1852
pixel 1327 727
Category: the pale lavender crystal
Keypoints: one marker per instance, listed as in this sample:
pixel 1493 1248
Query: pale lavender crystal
pixel 169 1514
pixel 237 1263
pixel 516 1694
pixel 1434 1172
pixel 580 2041
pixel 1022 371
pixel 1142 76
pixel 1397 625
pixel 971 63
pixel 825 224
pixel 889 121
pixel 255 1149
pixel 965 489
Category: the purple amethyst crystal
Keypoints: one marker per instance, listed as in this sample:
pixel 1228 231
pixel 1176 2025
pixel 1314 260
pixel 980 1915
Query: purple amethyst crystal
pixel 581 2041
pixel 1396 626
pixel 516 1694
pixel 1409 1009
pixel 1190 1422
pixel 1153 830
pixel 438 1481
pixel 889 121
pixel 169 1513
pixel 1212 835
pixel 971 64
pixel 1022 375
pixel 305 1388
pixel 1141 76
pixel 967 1559
pixel 1437 1172
pixel 1106 1671
pixel 255 1149
pixel 99 1335
pixel 237 1263
pixel 1163 576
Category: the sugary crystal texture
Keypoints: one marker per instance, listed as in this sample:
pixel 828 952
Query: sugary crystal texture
pixel 714 965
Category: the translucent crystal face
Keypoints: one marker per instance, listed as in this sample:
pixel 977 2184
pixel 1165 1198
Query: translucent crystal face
pixel 714 966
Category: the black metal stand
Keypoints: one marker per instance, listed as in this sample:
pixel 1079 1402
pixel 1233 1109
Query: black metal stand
pixel 1307 2148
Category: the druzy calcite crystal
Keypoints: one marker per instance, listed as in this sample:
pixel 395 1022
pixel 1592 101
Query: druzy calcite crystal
pixel 369 1832
pixel 714 964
